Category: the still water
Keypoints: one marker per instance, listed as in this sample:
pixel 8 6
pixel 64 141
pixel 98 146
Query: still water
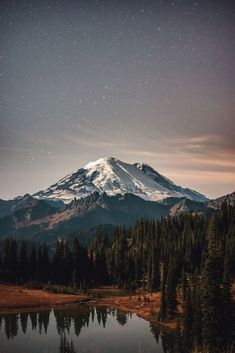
pixel 81 329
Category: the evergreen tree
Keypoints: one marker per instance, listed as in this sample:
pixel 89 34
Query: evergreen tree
pixel 227 319
pixel 163 307
pixel 23 263
pixel 211 294
pixel 197 314
pixel 178 338
pixel 10 259
pixel 171 302
pixel 187 322
pixel 33 263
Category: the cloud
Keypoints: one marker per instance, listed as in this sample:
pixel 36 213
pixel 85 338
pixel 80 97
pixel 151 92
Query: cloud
pixel 204 144
pixel 206 152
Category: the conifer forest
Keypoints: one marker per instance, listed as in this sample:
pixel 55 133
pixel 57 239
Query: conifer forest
pixel 188 258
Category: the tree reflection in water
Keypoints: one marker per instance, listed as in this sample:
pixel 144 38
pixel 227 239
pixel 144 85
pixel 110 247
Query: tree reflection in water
pixel 24 321
pixel 121 317
pixel 66 346
pixel 11 325
pixel 73 320
pixel 167 338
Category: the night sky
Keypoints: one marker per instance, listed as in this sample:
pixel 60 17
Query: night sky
pixel 149 81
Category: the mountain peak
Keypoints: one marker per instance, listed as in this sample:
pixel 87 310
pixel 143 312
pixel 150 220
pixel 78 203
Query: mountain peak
pixel 100 161
pixel 112 176
pixel 104 160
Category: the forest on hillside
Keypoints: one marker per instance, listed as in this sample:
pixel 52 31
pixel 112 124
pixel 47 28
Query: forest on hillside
pixel 187 257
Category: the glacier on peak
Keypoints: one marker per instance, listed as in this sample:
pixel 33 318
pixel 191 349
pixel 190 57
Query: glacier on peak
pixel 111 176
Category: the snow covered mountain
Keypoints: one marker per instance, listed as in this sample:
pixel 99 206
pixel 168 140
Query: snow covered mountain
pixel 115 177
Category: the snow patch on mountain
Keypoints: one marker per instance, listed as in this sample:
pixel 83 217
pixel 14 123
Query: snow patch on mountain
pixel 114 177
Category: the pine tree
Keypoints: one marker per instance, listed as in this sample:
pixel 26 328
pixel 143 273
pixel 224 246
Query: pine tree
pixel 45 264
pixel 184 285
pixel 187 321
pixel 24 272
pixel 171 302
pixel 33 263
pixel 153 273
pixel 211 294
pixel 60 273
pixel 197 314
pixel 10 259
pixel 163 308
pixel 75 262
pixel 178 338
pixel 227 319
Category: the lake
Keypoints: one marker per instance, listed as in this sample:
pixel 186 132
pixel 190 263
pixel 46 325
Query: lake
pixel 82 328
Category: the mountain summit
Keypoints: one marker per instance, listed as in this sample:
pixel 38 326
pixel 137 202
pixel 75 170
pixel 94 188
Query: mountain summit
pixel 114 177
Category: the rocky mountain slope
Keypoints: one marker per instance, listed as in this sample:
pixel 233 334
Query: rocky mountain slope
pixel 216 203
pixel 115 177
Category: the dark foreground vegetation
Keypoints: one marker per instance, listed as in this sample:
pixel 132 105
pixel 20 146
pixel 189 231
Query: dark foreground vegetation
pixel 187 257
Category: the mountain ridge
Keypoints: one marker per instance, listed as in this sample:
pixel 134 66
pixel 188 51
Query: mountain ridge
pixel 112 176
pixel 106 192
pixel 36 219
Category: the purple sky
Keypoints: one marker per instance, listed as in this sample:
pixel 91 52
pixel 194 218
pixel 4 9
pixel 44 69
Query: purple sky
pixel 149 81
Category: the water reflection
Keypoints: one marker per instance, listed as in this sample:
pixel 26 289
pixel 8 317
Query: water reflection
pixel 11 325
pixel 69 323
pixel 65 345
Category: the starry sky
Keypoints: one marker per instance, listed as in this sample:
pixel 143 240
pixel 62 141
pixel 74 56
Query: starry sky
pixel 149 81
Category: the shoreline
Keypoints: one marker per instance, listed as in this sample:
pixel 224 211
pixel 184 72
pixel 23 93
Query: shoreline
pixel 170 325
pixel 15 299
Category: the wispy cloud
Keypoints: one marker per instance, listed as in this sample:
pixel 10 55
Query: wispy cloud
pixel 206 152
pixel 204 144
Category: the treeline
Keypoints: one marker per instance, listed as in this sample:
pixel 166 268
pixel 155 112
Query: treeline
pixel 23 263
pixel 188 258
